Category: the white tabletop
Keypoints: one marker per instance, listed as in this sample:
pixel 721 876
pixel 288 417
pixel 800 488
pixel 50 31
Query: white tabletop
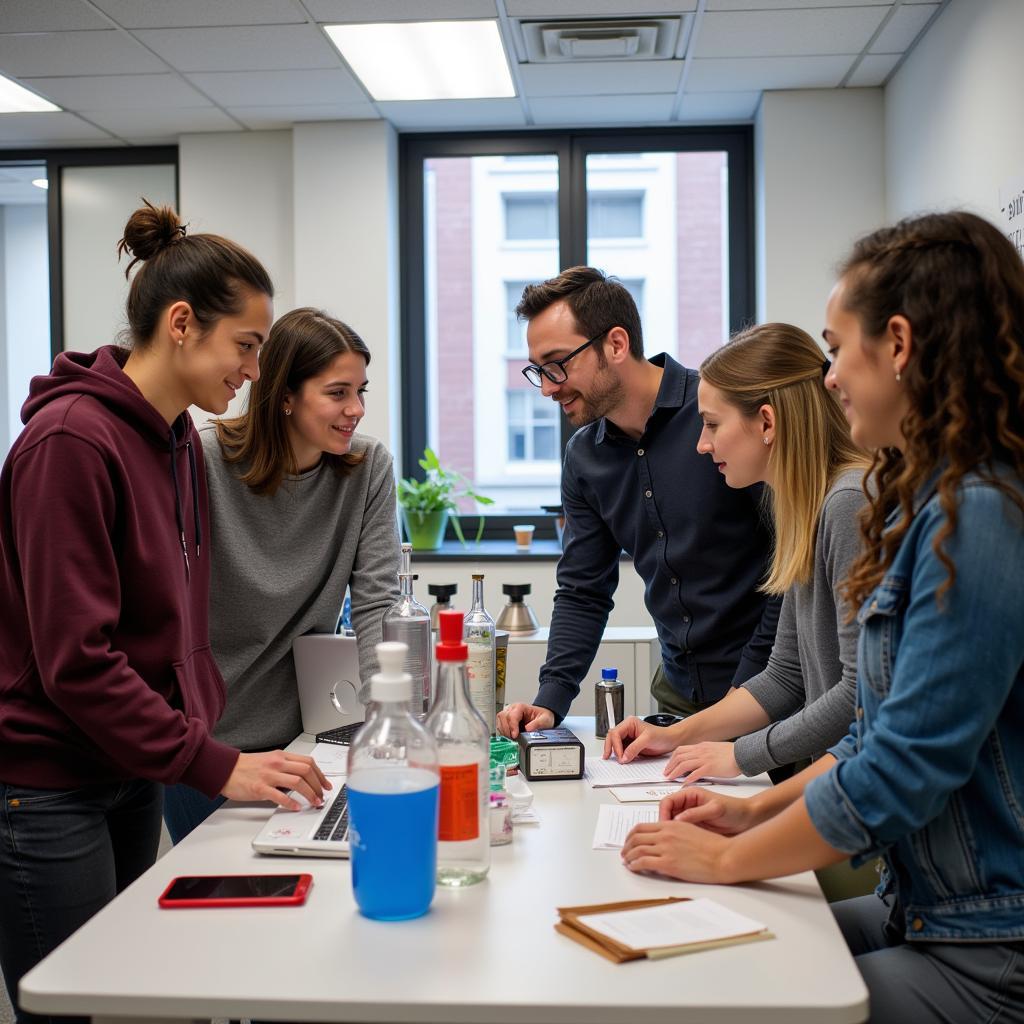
pixel 484 955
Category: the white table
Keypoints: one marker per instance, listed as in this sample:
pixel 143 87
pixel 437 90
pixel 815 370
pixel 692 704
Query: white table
pixel 484 955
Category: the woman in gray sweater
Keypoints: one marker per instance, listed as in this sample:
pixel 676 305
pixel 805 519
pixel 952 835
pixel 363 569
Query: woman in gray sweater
pixel 768 418
pixel 302 507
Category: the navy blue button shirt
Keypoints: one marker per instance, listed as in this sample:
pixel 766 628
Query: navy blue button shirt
pixel 700 547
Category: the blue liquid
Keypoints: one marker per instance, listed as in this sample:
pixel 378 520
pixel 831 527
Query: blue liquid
pixel 394 851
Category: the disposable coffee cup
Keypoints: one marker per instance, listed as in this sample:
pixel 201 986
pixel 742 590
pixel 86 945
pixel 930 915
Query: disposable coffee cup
pixel 524 536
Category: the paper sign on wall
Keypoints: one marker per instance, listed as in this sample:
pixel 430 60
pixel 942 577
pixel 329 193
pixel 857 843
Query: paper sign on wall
pixel 1011 206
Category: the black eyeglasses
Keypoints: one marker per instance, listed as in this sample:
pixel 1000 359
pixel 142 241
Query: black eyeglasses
pixel 555 369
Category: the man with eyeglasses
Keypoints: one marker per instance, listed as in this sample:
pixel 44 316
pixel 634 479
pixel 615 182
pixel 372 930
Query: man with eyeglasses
pixel 632 481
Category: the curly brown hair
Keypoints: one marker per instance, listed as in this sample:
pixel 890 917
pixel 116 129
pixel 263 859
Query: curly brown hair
pixel 960 284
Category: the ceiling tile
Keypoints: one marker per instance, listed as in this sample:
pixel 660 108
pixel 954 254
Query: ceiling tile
pixel 136 124
pixel 787 33
pixel 277 88
pixel 774 5
pixel 46 54
pixel 767 73
pixel 874 69
pixel 242 48
pixel 118 92
pixel 49 16
pixel 45 129
pixel 188 13
pixel 608 110
pixel 353 11
pixel 598 78
pixel 718 106
pixel 428 115
pixel 262 118
pixel 903 28
pixel 557 10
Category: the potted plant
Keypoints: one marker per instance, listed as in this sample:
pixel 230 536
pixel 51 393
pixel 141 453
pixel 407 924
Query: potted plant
pixel 427 504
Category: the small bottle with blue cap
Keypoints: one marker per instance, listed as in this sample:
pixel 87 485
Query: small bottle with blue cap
pixel 609 701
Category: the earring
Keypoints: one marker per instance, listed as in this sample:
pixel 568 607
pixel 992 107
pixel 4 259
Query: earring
pixel 897 376
pixel 766 441
pixel 181 342
pixel 287 412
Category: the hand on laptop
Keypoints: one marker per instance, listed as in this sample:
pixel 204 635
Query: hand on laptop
pixel 529 717
pixel 265 776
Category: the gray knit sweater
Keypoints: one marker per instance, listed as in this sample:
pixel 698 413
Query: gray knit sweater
pixel 280 567
pixel 809 685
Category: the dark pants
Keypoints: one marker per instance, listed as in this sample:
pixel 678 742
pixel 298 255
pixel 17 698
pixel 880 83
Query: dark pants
pixel 64 854
pixel 931 982
pixel 670 700
pixel 186 809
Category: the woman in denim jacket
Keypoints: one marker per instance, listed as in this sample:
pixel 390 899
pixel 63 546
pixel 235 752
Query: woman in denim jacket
pixel 926 330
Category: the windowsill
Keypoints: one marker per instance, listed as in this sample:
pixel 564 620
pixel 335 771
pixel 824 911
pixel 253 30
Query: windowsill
pixel 492 551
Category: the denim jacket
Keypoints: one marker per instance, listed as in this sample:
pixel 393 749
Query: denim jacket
pixel 931 774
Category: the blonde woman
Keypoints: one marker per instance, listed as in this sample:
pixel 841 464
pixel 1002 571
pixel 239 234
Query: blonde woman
pixel 768 418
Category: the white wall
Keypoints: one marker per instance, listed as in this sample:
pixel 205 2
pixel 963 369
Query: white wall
pixel 239 185
pixel 346 246
pixel 819 184
pixel 953 112
pixel 25 332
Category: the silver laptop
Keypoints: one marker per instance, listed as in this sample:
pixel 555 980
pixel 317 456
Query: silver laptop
pixel 327 672
pixel 312 832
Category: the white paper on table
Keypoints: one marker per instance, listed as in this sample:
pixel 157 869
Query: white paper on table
pixel 524 816
pixel 642 794
pixel 645 771
pixel 672 924
pixel 331 757
pixel 614 824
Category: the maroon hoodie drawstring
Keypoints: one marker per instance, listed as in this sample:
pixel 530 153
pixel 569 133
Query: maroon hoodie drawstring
pixel 195 497
pixel 177 502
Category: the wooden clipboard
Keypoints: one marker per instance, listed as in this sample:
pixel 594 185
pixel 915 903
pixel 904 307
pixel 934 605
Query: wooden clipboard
pixel 570 925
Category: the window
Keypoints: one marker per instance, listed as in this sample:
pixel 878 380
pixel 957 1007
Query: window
pixel 516 328
pixel 668 214
pixel 531 218
pixel 532 427
pixel 615 215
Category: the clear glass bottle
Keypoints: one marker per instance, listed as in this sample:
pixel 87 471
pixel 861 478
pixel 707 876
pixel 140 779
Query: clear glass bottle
pixel 479 634
pixel 463 750
pixel 408 622
pixel 393 795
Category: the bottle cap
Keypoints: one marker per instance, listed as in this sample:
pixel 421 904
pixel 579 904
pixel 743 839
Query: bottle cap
pixel 609 673
pixel 515 591
pixel 392 682
pixel 442 591
pixel 450 645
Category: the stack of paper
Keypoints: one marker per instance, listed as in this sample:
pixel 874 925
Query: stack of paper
pixel 614 824
pixel 657 928
pixel 645 771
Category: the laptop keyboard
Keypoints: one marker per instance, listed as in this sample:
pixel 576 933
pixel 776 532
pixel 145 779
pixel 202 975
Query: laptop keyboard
pixel 344 734
pixel 335 823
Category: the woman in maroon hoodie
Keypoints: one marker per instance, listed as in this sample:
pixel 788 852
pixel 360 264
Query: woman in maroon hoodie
pixel 107 685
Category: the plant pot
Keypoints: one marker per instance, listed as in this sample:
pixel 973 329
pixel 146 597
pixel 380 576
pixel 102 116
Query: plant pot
pixel 425 530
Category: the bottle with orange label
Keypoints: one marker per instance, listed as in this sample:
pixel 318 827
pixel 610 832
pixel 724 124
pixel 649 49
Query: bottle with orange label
pixel 463 750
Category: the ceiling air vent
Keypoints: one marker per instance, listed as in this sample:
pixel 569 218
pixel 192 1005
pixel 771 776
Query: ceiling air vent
pixel 554 42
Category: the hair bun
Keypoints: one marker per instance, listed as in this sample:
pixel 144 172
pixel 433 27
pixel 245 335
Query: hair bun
pixel 150 230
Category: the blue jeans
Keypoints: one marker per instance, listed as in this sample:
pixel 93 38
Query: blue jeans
pixel 185 809
pixel 64 854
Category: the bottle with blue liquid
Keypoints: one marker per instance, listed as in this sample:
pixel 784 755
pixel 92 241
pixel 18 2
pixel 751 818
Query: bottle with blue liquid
pixel 393 786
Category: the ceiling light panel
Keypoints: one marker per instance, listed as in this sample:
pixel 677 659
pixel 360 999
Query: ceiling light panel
pixel 426 60
pixel 16 99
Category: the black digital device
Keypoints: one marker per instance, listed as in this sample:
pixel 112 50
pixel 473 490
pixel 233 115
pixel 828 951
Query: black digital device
pixel 236 890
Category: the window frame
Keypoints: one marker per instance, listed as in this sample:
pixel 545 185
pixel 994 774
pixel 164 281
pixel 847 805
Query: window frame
pixel 56 160
pixel 572 149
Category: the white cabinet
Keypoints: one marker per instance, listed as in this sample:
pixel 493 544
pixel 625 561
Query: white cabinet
pixel 633 650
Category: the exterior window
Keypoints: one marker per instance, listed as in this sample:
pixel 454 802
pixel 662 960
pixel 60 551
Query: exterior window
pixel 516 328
pixel 615 215
pixel 531 218
pixel 532 427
